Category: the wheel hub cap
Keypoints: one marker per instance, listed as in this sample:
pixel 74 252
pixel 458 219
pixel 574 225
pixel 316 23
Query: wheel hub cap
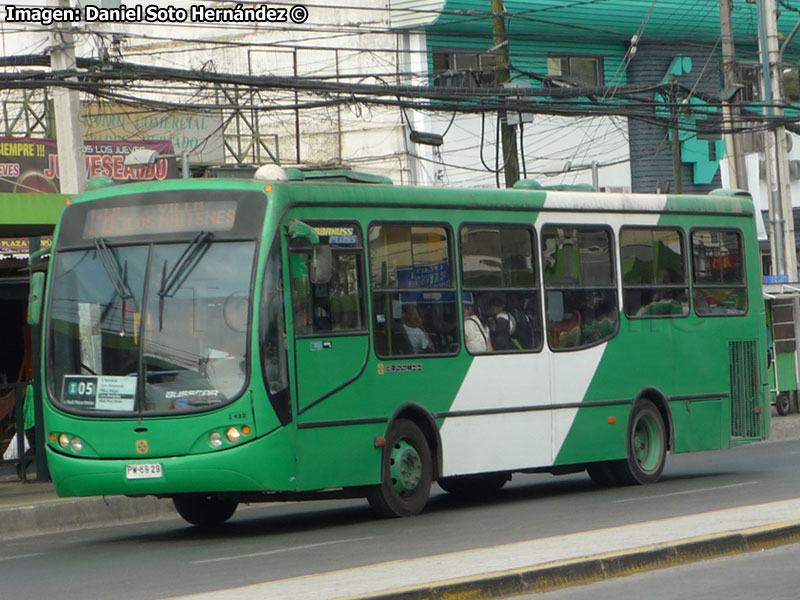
pixel 405 468
pixel 646 446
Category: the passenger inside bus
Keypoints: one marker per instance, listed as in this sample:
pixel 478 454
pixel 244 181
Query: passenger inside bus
pixel 412 324
pixel 476 333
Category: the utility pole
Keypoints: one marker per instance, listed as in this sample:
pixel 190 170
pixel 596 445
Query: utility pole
pixel 66 103
pixel 784 260
pixel 676 140
pixel 502 75
pixel 730 110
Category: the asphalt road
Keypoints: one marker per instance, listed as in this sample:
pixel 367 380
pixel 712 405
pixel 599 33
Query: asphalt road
pixel 266 542
pixel 770 574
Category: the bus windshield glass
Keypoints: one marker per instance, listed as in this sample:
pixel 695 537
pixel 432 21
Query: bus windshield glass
pixel 150 328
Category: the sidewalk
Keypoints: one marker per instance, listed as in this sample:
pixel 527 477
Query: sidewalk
pixel 535 565
pixel 544 564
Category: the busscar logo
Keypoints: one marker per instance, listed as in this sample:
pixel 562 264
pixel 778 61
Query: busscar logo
pixel 407 368
pixel 192 394
pixel 142 447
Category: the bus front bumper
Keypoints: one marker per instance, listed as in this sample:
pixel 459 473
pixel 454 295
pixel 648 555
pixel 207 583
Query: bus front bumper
pixel 237 469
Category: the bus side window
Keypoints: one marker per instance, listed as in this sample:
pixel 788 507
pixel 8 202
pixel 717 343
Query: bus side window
pixel 579 276
pixel 272 335
pixel 718 272
pixel 654 281
pixel 413 290
pixel 501 301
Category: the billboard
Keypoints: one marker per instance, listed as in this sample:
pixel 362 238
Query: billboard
pixel 198 133
pixel 30 165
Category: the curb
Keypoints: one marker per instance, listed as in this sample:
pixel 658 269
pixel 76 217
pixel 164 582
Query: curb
pixel 582 571
pixel 69 515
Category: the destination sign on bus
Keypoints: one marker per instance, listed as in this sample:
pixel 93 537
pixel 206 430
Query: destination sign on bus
pixel 163 218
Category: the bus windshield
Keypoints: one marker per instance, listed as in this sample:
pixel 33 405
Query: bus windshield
pixel 171 314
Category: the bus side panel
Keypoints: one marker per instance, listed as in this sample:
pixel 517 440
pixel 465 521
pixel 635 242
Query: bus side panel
pixel 700 425
pixel 597 432
pixel 339 456
pixel 336 436
pixel 500 418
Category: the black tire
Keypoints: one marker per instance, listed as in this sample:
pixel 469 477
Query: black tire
pixel 474 485
pixel 783 403
pixel 406 473
pixel 204 510
pixel 646 447
pixel 603 473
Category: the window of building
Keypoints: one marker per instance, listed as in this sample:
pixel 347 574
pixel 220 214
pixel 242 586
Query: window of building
pixel 462 68
pixel 579 283
pixel 338 305
pixel 413 290
pixel 791 84
pixel 750 76
pixel 501 296
pixel 718 272
pixel 586 71
pixel 654 281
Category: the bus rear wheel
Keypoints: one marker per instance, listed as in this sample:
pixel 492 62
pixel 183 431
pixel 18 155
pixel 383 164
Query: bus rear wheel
pixel 406 473
pixel 204 510
pixel 646 446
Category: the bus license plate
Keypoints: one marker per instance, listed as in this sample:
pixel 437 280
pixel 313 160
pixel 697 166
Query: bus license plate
pixel 143 471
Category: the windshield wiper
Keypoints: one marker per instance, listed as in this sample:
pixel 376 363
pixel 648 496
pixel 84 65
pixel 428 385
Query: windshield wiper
pixel 181 270
pixel 117 275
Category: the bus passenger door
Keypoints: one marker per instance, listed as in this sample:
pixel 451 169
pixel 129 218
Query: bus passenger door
pixel 329 327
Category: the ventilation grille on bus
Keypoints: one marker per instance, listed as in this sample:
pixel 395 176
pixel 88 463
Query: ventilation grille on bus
pixel 744 389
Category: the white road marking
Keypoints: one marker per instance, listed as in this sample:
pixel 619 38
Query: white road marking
pixel 281 550
pixel 686 492
pixel 19 556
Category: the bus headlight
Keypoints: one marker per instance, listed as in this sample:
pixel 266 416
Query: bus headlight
pixel 233 435
pixel 63 440
pixel 76 444
pixel 215 439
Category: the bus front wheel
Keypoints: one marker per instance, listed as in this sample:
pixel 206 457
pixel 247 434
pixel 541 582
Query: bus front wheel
pixel 646 446
pixel 406 473
pixel 204 510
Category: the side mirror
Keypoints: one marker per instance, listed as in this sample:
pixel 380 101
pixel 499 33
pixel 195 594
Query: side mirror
pixel 35 298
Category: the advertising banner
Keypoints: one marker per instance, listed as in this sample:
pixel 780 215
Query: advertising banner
pixel 30 165
pixel 19 248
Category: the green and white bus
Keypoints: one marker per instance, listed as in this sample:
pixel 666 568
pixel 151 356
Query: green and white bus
pixel 218 342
